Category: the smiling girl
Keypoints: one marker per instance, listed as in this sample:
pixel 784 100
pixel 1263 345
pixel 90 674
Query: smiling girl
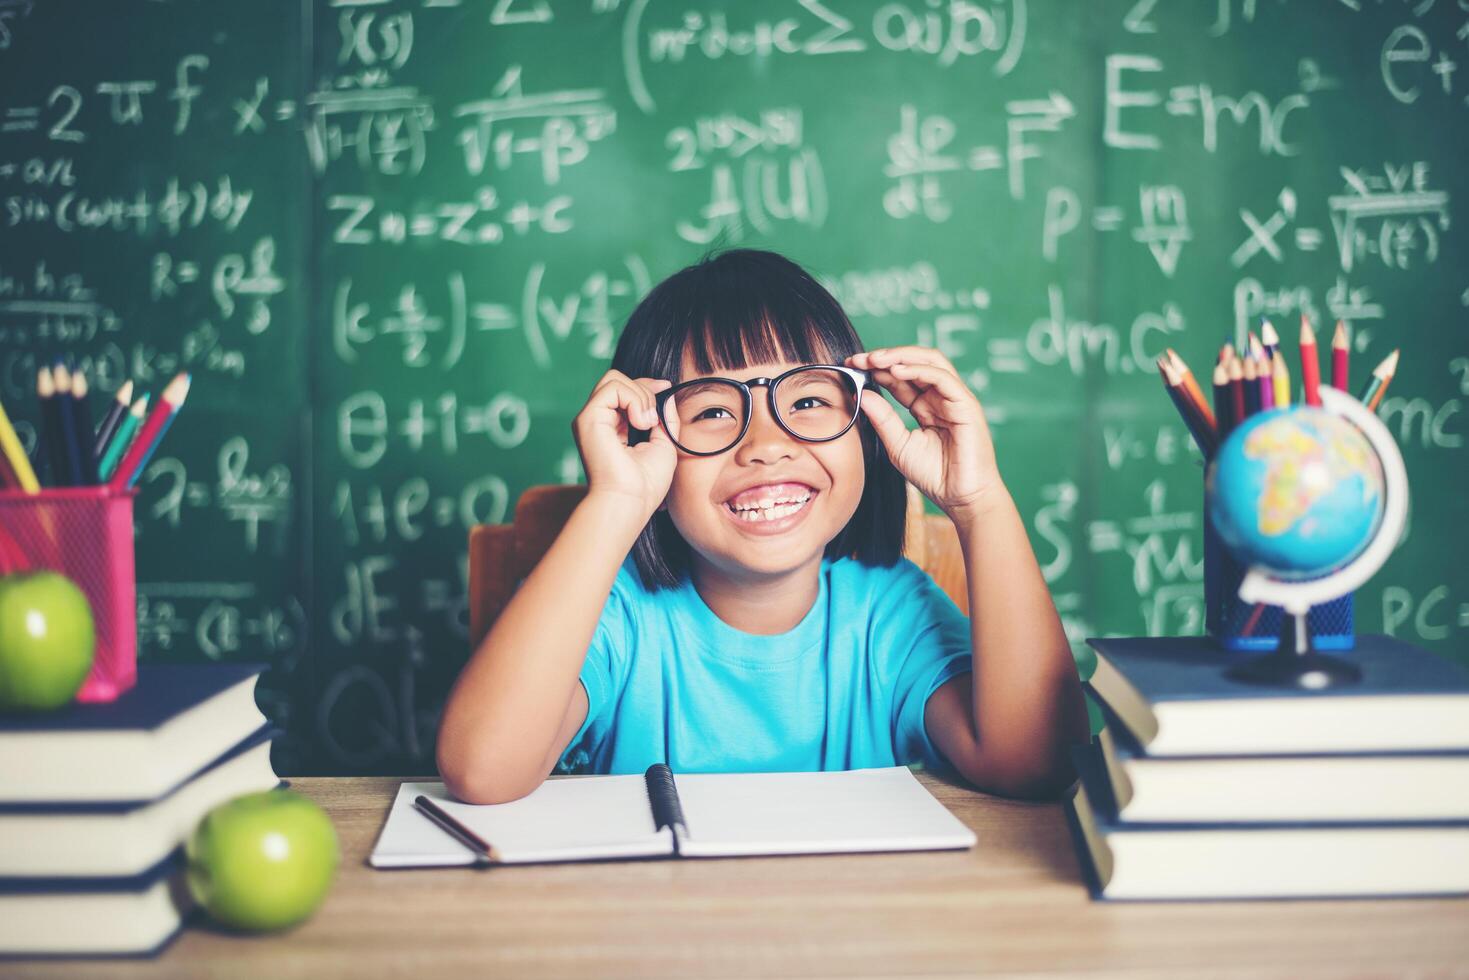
pixel 731 594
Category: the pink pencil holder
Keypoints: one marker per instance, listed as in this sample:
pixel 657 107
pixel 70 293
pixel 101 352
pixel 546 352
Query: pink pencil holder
pixel 86 534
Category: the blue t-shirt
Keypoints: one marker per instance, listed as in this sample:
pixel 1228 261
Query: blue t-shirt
pixel 669 681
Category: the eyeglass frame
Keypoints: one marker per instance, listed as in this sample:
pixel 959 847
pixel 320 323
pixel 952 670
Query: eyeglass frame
pixel 861 378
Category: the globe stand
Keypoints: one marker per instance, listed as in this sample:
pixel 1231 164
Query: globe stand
pixel 1295 663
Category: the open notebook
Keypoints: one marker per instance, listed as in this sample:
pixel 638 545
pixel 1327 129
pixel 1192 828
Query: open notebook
pixel 689 815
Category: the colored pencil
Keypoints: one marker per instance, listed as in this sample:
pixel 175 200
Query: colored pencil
pixel 1225 353
pixel 15 455
pixel 1237 390
pixel 124 438
pixel 71 433
pixel 1251 376
pixel 51 434
pixel 1310 366
pixel 1382 376
pixel 1269 337
pixel 110 421
pixel 1266 373
pixel 1191 386
pixel 1203 433
pixel 151 433
pixel 1280 376
pixel 1223 414
pixel 8 478
pixel 1340 352
pixel 1256 349
pixel 81 411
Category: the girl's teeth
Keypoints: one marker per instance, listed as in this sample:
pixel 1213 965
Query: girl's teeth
pixel 770 512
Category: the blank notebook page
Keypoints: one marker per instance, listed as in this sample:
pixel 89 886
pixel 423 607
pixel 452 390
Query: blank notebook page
pixel 813 813
pixel 563 820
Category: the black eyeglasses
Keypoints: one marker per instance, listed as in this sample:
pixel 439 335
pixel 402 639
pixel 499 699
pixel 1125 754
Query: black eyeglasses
pixel 814 403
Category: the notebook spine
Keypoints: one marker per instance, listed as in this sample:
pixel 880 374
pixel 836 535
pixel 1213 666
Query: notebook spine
pixel 663 798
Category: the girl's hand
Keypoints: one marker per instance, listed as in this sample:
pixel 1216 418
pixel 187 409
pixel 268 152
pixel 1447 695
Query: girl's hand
pixel 643 472
pixel 950 458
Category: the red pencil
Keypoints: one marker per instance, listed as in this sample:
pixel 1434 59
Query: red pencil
pixel 150 433
pixel 1339 354
pixel 1310 366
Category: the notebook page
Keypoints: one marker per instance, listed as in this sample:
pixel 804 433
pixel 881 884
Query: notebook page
pixel 572 819
pixel 813 813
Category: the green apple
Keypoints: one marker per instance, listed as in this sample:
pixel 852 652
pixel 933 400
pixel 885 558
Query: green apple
pixel 47 641
pixel 262 861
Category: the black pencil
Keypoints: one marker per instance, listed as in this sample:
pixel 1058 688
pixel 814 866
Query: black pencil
pixel 81 411
pixel 70 438
pixel 112 419
pixel 51 433
pixel 483 850
pixel 1252 386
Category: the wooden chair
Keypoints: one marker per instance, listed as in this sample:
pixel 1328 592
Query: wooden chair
pixel 502 555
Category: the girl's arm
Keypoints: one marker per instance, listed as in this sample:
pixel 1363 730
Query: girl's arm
pixel 1024 691
pixel 510 714
pixel 1008 725
pixel 518 701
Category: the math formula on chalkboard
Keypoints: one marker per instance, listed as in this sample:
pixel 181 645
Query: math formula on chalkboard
pixel 394 243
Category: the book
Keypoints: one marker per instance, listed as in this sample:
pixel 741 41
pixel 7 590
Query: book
pixel 117 839
pixel 136 915
pixel 1172 695
pixel 1127 785
pixel 659 814
pixel 1214 861
pixel 172 722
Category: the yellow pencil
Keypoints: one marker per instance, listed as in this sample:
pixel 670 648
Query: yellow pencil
pixel 1280 377
pixel 16 455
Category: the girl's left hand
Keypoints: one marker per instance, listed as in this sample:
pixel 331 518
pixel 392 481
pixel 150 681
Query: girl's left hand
pixel 950 457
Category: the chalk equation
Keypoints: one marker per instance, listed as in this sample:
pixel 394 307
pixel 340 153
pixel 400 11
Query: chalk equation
pixel 396 254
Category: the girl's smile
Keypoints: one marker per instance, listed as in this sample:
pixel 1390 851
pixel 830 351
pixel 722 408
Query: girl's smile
pixel 771 508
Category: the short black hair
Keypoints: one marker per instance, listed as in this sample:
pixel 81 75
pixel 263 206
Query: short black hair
pixel 746 306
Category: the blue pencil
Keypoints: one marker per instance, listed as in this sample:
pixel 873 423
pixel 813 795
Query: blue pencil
pixel 159 420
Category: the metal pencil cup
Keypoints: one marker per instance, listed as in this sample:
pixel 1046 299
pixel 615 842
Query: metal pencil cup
pixel 86 534
pixel 1239 625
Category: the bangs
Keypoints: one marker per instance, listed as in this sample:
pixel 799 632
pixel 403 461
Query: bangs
pixel 731 340
pixel 739 308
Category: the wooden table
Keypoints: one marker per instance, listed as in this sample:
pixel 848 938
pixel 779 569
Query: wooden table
pixel 1014 904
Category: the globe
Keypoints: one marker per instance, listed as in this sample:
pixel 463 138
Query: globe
pixel 1297 491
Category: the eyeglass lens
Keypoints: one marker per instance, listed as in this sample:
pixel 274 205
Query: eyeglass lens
pixel 816 404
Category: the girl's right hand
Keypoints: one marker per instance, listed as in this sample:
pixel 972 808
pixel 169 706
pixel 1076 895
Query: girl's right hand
pixel 643 472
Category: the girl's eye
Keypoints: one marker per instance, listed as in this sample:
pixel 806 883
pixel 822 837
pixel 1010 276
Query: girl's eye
pixel 818 401
pixel 705 413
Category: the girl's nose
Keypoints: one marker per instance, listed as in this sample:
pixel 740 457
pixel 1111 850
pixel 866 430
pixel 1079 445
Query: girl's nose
pixel 765 441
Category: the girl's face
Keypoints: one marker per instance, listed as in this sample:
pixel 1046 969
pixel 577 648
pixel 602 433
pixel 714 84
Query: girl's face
pixel 823 481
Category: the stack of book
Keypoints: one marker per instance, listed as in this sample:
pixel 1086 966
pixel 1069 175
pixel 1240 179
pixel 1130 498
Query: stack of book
pixel 1202 787
pixel 97 800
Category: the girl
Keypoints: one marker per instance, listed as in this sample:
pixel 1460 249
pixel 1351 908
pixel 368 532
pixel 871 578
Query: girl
pixel 765 619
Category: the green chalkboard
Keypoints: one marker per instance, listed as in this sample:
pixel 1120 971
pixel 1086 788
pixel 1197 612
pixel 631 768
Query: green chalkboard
pixel 396 241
